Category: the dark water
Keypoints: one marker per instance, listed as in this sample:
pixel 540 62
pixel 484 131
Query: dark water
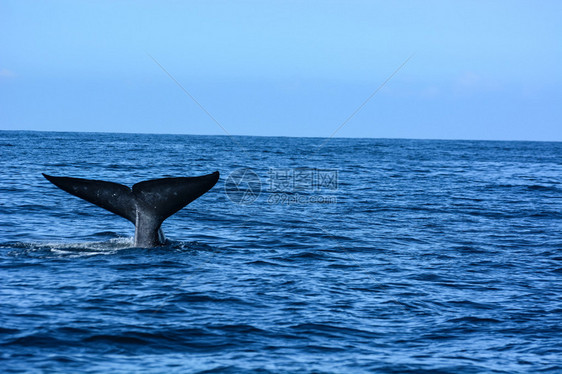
pixel 425 256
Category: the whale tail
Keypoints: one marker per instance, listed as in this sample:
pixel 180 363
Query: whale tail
pixel 146 205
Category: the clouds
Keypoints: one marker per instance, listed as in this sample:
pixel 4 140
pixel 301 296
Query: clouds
pixel 284 68
pixel 5 73
pixel 471 82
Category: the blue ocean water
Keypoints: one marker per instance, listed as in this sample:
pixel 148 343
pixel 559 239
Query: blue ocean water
pixel 352 255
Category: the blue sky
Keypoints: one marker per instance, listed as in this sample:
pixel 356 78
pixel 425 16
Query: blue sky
pixel 480 69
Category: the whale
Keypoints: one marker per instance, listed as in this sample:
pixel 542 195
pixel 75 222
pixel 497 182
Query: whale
pixel 147 204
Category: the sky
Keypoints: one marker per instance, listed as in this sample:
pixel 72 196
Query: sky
pixel 437 69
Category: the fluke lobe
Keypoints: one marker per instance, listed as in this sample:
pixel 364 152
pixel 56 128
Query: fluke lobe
pixel 146 205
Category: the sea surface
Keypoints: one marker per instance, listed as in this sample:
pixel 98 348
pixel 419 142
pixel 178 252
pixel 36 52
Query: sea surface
pixel 308 256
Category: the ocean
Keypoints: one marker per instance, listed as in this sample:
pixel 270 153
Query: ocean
pixel 308 256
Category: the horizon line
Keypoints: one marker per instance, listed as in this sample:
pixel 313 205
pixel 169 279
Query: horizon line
pixel 282 136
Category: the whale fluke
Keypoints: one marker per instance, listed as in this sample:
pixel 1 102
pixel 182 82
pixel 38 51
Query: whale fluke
pixel 146 205
pixel 115 197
